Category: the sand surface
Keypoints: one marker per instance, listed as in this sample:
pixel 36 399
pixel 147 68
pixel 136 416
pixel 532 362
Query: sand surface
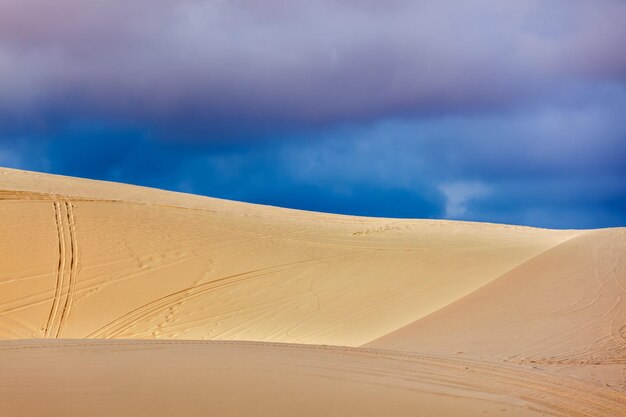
pixel 563 311
pixel 195 378
pixel 454 318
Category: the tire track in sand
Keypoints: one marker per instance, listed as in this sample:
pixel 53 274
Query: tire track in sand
pixel 67 269
pixel 58 217
pixel 129 319
pixel 73 268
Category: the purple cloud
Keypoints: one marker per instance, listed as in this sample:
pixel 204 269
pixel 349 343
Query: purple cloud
pixel 219 66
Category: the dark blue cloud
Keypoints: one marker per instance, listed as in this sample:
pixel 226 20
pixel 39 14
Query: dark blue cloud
pixel 548 167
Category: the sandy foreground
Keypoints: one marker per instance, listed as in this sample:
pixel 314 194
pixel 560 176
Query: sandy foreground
pixel 122 300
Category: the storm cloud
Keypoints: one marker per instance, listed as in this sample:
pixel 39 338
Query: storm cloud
pixel 220 67
pixel 475 109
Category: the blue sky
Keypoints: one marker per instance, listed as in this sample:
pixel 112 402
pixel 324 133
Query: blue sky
pixel 511 112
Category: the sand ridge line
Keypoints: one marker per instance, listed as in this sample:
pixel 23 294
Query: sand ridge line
pixel 486 284
pixel 18 195
pixel 254 210
pixel 503 275
pixel 565 396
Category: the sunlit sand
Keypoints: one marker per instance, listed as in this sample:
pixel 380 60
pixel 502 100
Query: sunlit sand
pixel 200 306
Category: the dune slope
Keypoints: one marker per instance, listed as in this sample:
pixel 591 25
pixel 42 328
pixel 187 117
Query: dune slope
pixel 428 318
pixel 563 310
pixel 102 260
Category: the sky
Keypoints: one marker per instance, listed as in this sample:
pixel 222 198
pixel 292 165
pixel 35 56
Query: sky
pixel 482 110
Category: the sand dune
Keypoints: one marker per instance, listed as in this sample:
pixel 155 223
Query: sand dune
pixel 563 310
pixel 77 266
pixel 455 318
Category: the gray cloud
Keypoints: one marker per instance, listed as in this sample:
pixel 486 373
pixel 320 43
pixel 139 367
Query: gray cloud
pixel 220 66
